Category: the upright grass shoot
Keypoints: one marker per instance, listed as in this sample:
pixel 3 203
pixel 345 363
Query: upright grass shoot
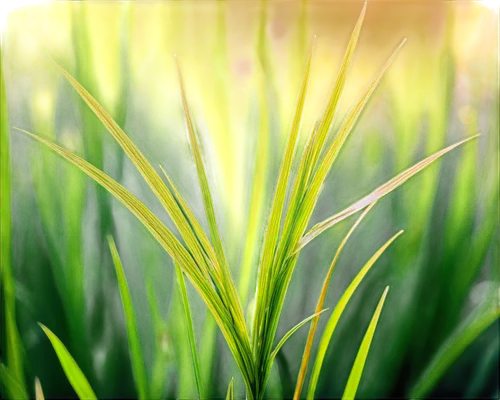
pixel 190 330
pixel 359 362
pixel 75 376
pixel 203 261
pixel 38 390
pixel 134 341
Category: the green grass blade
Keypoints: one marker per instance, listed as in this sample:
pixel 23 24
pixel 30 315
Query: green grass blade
pixel 197 229
pixel 13 388
pixel 453 347
pixel 38 390
pixel 359 362
pixel 259 185
pixel 230 390
pixel 200 169
pixel 334 99
pixel 229 289
pixel 73 373
pixel 337 313
pixel 314 324
pixel 189 325
pixel 377 194
pixel 291 332
pixel 273 226
pixel 134 342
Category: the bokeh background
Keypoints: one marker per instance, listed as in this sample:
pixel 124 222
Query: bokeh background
pixel 242 63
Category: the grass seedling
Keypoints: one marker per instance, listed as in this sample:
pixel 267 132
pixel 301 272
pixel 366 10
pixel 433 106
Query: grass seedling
pixel 201 257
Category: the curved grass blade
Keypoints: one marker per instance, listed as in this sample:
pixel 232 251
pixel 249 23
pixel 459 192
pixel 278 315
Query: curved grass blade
pixel 38 390
pixel 459 340
pixel 233 301
pixel 200 169
pixel 291 332
pixel 259 185
pixel 189 326
pixel 197 229
pixel 237 341
pixel 318 140
pixel 359 363
pixel 377 194
pixel 230 390
pixel 314 324
pixel 75 376
pixel 13 387
pixel 337 313
pixel 273 226
pixel 134 342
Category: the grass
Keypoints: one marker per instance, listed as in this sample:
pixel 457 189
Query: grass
pixel 203 257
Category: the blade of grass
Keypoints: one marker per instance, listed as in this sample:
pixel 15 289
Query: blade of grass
pixel 314 324
pixel 38 390
pixel 189 326
pixel 335 94
pixel 453 347
pixel 230 390
pixel 359 363
pixel 197 229
pixel 259 185
pixel 337 313
pixel 292 331
pixel 377 194
pixel 13 387
pixel 134 342
pixel 273 226
pixel 228 289
pixel 73 373
pixel 200 169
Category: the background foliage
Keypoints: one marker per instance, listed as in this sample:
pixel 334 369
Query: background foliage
pixel 242 64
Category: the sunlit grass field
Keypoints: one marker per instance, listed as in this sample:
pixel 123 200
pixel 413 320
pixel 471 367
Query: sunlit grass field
pixel 230 104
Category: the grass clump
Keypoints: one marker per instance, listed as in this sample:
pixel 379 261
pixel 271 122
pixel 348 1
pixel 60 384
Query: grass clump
pixel 201 257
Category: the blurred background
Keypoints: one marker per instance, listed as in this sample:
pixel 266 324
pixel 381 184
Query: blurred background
pixel 243 62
